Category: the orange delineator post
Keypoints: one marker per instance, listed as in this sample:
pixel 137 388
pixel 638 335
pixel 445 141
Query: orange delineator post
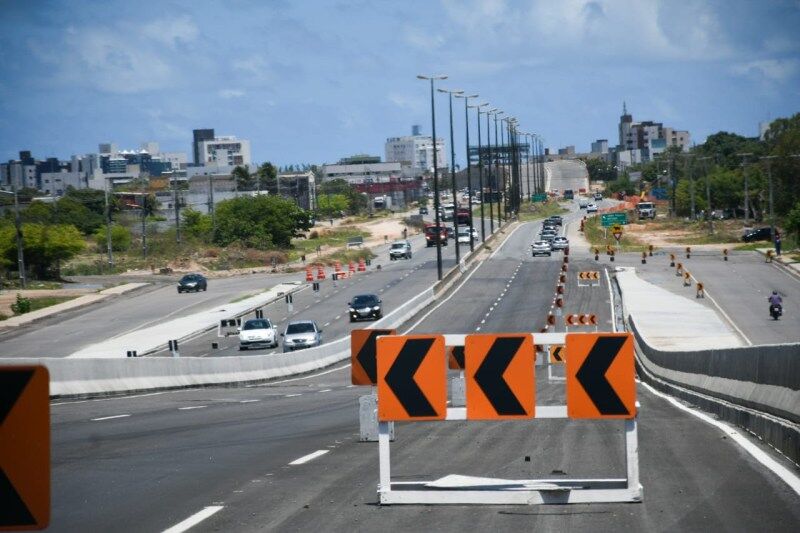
pixel 362 266
pixel 320 272
pixel 309 274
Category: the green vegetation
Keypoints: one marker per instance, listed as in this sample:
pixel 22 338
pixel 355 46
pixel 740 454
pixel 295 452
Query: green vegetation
pixel 334 237
pixel 21 305
pixel 47 301
pixel 594 233
pixel 120 238
pixel 534 211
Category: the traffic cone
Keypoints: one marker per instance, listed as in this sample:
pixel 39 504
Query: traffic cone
pixel 309 274
pixel 362 266
pixel 337 266
pixel 320 272
pixel 352 267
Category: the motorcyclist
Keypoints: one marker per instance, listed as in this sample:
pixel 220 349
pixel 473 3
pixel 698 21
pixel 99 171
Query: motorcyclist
pixel 775 299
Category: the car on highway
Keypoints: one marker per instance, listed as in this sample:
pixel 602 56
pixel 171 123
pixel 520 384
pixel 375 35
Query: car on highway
pixel 541 248
pixel 760 234
pixel 547 226
pixel 400 250
pixel 451 232
pixel 583 203
pixel 548 234
pixel 192 282
pixel 434 233
pixel 258 333
pixel 560 243
pixel 301 334
pixel 365 307
pixel 464 235
pixel 554 220
pixel 598 196
pixel 591 208
pixel 423 210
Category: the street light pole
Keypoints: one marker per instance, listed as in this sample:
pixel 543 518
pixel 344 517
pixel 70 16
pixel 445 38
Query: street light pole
pixel 709 211
pixel 23 280
pixel 497 168
pixel 489 168
pixel 435 176
pixel 480 166
pixel 469 171
pixel 453 172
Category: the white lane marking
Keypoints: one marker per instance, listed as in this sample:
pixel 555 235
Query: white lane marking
pixel 326 390
pixel 248 401
pixel 350 386
pixel 309 457
pixel 478 328
pixel 505 241
pixel 338 317
pixel 108 417
pixel 611 301
pixel 192 407
pixel 292 395
pixel 758 454
pixel 109 399
pixel 194 519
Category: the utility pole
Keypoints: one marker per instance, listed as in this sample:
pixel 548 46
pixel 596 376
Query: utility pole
pixel 108 227
pixel 176 201
pixel 211 209
pixel 23 280
pixel 746 188
pixel 489 169
pixel 709 211
pixel 691 184
pixel 144 225
pixel 674 182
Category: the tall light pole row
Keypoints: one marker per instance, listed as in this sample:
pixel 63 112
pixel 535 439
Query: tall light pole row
pixel 502 186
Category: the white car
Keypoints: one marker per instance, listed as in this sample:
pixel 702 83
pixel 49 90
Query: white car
pixel 464 235
pixel 560 243
pixel 258 333
pixel 541 248
pixel 591 208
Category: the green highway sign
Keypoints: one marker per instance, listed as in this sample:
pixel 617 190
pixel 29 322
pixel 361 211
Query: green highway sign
pixel 609 219
pixel 539 197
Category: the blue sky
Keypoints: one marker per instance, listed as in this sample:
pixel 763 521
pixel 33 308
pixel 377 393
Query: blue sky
pixel 313 81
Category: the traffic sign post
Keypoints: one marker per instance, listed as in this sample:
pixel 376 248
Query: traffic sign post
pixel 610 219
pixel 24 447
pixel 412 368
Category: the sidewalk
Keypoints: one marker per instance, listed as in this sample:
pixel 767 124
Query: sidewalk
pixel 81 301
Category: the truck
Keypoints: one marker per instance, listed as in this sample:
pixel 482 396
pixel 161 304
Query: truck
pixel 646 210
pixel 569 194
pixel 434 233
pixel 463 216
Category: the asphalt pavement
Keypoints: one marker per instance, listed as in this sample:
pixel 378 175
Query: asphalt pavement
pixel 285 456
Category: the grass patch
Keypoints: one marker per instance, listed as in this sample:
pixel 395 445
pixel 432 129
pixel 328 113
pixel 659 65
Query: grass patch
pixel 536 211
pixel 47 301
pixel 32 285
pixel 593 231
pixel 333 237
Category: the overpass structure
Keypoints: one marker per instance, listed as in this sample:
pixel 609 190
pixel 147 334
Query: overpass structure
pixel 567 174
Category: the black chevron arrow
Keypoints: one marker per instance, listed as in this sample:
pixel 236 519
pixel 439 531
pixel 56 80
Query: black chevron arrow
pixel 13 511
pixel 11 387
pixel 366 356
pixel 400 378
pixel 458 355
pixel 557 353
pixel 489 376
pixel 592 376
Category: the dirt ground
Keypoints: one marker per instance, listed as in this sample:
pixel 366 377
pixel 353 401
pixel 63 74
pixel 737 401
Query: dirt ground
pixel 9 297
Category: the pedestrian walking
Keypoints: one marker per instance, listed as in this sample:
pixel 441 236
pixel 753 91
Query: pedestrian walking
pixel 777 242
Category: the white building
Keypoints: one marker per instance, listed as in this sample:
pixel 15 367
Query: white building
pixel 600 146
pixel 363 173
pixel 415 151
pixel 648 136
pixel 224 151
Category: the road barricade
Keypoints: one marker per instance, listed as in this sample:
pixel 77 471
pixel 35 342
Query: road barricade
pixel 499 376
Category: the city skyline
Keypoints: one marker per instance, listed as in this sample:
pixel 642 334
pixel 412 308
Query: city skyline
pixel 321 82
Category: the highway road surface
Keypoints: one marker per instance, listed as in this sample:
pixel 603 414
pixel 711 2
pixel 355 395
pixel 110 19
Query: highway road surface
pixel 285 456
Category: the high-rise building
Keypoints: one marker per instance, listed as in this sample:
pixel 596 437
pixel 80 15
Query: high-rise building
pixel 415 151
pixel 223 151
pixel 198 137
pixel 600 146
pixel 649 137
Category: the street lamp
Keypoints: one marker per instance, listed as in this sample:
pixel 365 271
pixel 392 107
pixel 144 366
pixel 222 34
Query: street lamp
pixel 497 167
pixel 508 161
pixel 453 172
pixel 469 171
pixel 435 176
pixel 746 188
pixel 480 165
pixel 489 173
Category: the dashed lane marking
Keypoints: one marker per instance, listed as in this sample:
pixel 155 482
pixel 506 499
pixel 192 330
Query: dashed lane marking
pixel 192 407
pixel 309 457
pixel 194 519
pixel 109 417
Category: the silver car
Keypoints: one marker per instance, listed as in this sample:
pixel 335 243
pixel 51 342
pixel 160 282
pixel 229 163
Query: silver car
pixel 541 248
pixel 301 334
pixel 560 243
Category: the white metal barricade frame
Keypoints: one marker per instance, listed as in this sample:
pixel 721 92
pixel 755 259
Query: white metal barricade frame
pixel 467 490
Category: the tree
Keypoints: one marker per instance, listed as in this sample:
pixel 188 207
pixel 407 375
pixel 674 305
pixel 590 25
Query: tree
pixel 332 204
pixel 268 178
pixel 197 224
pixel 600 170
pixel 45 246
pixel 68 210
pixel 259 222
pixel 356 202
pixel 244 180
pixel 792 223
pixel 93 200
pixel 120 238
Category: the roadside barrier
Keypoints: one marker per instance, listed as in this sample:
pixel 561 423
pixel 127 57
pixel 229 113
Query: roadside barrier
pixel 644 258
pixel 499 379
pixel 362 266
pixel 724 254
pixel 768 256
pixel 351 268
pixel 320 272
pixel 701 293
pixel 309 274
pixel 687 279
pixel 672 260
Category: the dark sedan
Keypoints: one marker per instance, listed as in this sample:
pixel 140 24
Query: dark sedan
pixel 192 282
pixel 365 307
pixel 760 234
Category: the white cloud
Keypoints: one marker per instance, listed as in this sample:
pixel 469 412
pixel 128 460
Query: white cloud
pixel 404 102
pixel 254 65
pixel 171 31
pixel 773 70
pixel 423 39
pixel 227 94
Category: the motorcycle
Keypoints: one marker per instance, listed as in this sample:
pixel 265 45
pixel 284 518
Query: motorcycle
pixel 775 311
